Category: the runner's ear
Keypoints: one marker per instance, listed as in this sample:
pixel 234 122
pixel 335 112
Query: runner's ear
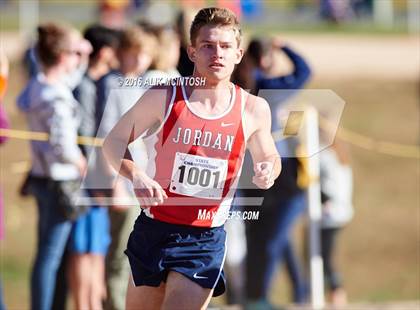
pixel 191 52
pixel 239 55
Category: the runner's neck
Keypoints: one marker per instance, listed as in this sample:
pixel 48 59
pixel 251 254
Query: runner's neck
pixel 210 102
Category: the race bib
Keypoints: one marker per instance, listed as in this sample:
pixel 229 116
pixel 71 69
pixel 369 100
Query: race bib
pixel 198 176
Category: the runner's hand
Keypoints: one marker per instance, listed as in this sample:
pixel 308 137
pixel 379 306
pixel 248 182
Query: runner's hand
pixel 148 191
pixel 263 177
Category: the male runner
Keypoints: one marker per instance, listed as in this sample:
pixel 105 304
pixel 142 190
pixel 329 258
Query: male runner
pixel 196 139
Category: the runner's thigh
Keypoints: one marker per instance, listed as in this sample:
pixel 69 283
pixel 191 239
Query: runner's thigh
pixel 144 297
pixel 183 294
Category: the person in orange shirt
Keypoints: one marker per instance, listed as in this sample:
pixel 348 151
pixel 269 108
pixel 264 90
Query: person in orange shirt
pixel 4 72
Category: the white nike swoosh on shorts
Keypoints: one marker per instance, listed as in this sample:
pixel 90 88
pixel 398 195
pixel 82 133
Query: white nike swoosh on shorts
pixel 195 276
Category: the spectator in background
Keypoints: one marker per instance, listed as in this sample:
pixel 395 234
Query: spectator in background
pixel 362 8
pixel 102 60
pixel 135 54
pixel 4 123
pixel 166 58
pixel 113 13
pixel 335 11
pixel 32 66
pixel 183 24
pixel 50 107
pixel 336 194
pixel 90 236
pixel 268 239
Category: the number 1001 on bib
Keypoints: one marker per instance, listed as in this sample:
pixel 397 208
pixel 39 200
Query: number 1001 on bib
pixel 198 176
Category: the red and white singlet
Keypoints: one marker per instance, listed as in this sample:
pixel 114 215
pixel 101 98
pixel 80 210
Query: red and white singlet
pixel 197 160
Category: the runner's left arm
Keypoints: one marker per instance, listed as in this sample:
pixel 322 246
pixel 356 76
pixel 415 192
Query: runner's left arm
pixel 267 164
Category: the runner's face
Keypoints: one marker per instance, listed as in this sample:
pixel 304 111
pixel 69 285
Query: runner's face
pixel 216 52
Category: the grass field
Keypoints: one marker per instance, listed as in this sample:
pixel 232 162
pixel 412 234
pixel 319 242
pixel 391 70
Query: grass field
pixel 378 251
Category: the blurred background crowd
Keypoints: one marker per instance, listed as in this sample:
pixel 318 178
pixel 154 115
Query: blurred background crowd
pixel 60 65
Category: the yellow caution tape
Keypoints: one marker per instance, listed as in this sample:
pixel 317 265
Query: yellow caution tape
pixel 362 141
pixel 383 147
pixel 367 143
pixel 43 136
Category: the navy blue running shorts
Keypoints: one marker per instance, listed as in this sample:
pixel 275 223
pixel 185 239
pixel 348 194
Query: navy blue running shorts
pixel 155 248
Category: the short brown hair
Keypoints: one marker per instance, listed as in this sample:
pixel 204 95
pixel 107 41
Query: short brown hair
pixel 53 39
pixel 135 37
pixel 216 17
pixel 166 38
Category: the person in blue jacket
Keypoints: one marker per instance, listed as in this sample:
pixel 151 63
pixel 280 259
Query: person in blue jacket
pixel 268 239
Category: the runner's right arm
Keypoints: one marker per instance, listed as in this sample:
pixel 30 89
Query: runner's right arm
pixel 146 114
